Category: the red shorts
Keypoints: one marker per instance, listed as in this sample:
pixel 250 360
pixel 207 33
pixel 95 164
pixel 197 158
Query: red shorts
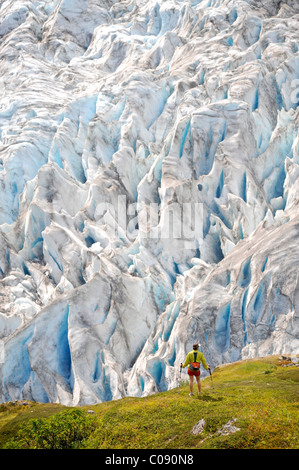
pixel 192 372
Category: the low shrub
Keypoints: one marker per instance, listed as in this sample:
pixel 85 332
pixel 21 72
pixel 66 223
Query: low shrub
pixel 65 430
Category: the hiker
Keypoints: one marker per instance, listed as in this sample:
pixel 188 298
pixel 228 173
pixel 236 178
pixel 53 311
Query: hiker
pixel 193 360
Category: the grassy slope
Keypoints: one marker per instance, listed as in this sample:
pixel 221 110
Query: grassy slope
pixel 260 394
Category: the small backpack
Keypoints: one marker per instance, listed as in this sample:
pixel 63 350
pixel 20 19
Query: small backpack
pixel 194 366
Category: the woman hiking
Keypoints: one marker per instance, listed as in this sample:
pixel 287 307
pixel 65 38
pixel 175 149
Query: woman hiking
pixel 193 360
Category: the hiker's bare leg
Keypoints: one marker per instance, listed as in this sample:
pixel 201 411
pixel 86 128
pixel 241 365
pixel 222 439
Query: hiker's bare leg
pixel 198 384
pixel 191 383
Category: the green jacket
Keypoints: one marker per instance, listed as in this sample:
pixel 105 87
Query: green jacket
pixel 199 358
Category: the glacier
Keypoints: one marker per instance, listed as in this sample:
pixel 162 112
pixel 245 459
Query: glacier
pixel 149 197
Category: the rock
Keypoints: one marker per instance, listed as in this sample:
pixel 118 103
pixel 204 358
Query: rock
pixel 228 428
pixel 198 427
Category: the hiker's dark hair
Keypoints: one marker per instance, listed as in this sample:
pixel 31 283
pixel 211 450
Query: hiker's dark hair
pixel 195 346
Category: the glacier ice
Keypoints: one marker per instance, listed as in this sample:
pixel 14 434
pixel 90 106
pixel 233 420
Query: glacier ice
pixel 149 164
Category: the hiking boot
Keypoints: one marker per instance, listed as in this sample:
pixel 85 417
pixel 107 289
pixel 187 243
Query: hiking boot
pixel 190 394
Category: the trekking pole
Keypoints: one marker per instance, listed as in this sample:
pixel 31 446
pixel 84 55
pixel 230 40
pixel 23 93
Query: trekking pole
pixel 211 378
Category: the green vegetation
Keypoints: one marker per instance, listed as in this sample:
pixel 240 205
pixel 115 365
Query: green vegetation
pixel 64 430
pixel 260 395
